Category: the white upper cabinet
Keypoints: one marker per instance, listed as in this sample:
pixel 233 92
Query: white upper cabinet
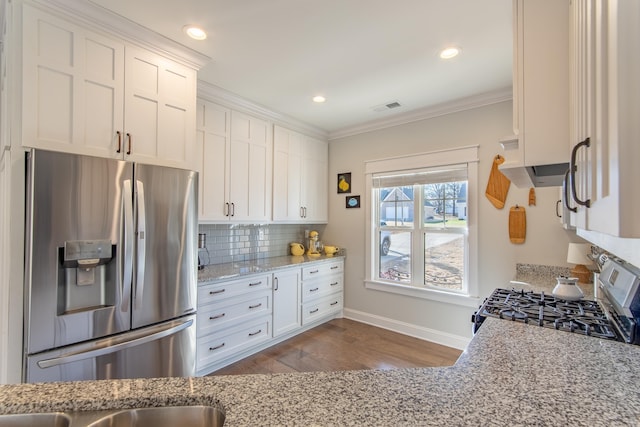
pixel 604 119
pixel 92 93
pixel 540 87
pixel 160 101
pixel 251 169
pixel 235 151
pixel 213 146
pixel 300 168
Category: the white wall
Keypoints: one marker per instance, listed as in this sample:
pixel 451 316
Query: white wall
pixel 546 241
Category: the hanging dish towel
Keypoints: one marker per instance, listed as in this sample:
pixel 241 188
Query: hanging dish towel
pixel 498 185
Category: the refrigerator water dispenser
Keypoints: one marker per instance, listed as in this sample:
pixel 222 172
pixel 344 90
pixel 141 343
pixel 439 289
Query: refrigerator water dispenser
pixel 87 276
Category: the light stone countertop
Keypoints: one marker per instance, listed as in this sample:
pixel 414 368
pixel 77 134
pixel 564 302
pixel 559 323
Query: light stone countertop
pixel 234 270
pixel 543 278
pixel 510 374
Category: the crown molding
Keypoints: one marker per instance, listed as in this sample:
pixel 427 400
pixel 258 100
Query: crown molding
pixel 99 18
pixel 213 93
pixel 468 103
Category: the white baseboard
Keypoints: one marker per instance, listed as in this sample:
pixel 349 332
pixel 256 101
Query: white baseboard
pixel 416 331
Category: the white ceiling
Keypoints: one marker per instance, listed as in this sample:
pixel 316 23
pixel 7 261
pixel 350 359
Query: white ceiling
pixel 360 54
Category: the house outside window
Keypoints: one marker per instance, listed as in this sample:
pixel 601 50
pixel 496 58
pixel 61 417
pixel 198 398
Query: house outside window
pixel 422 222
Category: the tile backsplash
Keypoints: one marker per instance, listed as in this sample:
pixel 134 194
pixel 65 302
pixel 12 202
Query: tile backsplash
pixel 236 243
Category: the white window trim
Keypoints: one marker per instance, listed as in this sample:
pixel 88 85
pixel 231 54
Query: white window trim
pixel 467 155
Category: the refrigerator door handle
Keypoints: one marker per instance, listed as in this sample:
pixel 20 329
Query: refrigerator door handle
pixel 141 245
pixel 113 345
pixel 127 241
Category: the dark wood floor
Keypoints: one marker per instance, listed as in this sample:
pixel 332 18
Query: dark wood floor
pixel 343 344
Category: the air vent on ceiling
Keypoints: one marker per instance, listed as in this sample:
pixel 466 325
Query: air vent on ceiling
pixel 387 106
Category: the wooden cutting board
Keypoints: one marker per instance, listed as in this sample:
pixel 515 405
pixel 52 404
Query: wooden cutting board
pixel 517 224
pixel 498 185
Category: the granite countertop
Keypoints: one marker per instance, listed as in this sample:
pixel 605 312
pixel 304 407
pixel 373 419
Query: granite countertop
pixel 234 270
pixel 510 374
pixel 542 278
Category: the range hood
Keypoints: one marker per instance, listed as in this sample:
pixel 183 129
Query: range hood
pixel 535 176
pixel 525 175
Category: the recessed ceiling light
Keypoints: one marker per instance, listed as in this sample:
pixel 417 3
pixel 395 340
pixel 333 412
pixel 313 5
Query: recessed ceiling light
pixel 319 99
pixel 194 32
pixel 450 52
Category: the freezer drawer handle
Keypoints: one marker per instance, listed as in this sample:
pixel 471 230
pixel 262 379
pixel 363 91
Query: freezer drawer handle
pixel 216 347
pixel 113 345
pixel 217 317
pixel 255 306
pixel 219 291
pixel 253 334
pixel 256 283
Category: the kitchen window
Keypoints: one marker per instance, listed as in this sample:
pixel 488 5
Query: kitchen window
pixel 422 216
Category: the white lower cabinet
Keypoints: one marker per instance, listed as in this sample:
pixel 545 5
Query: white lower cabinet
pixel 232 316
pixel 286 301
pixel 239 317
pixel 322 290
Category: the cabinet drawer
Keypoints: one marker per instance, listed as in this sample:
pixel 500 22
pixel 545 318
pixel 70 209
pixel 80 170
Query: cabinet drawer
pixel 321 307
pixel 215 347
pixel 222 314
pixel 322 269
pixel 215 292
pixel 322 286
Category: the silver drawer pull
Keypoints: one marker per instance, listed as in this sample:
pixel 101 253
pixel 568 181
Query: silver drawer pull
pixel 334 283
pixel 255 333
pixel 334 267
pixel 217 316
pixel 255 306
pixel 216 347
pixel 314 311
pixel 313 290
pixel 334 303
pixel 314 271
pixel 256 284
pixel 219 291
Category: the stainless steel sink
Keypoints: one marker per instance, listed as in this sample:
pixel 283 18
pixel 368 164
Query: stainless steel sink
pixel 54 419
pixel 182 416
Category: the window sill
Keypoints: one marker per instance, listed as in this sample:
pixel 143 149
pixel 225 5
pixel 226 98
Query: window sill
pixel 429 294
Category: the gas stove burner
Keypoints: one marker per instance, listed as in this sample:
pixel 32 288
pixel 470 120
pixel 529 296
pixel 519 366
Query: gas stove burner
pixel 583 317
pixel 512 314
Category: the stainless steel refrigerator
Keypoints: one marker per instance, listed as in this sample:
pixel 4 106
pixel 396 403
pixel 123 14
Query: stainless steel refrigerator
pixel 110 276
